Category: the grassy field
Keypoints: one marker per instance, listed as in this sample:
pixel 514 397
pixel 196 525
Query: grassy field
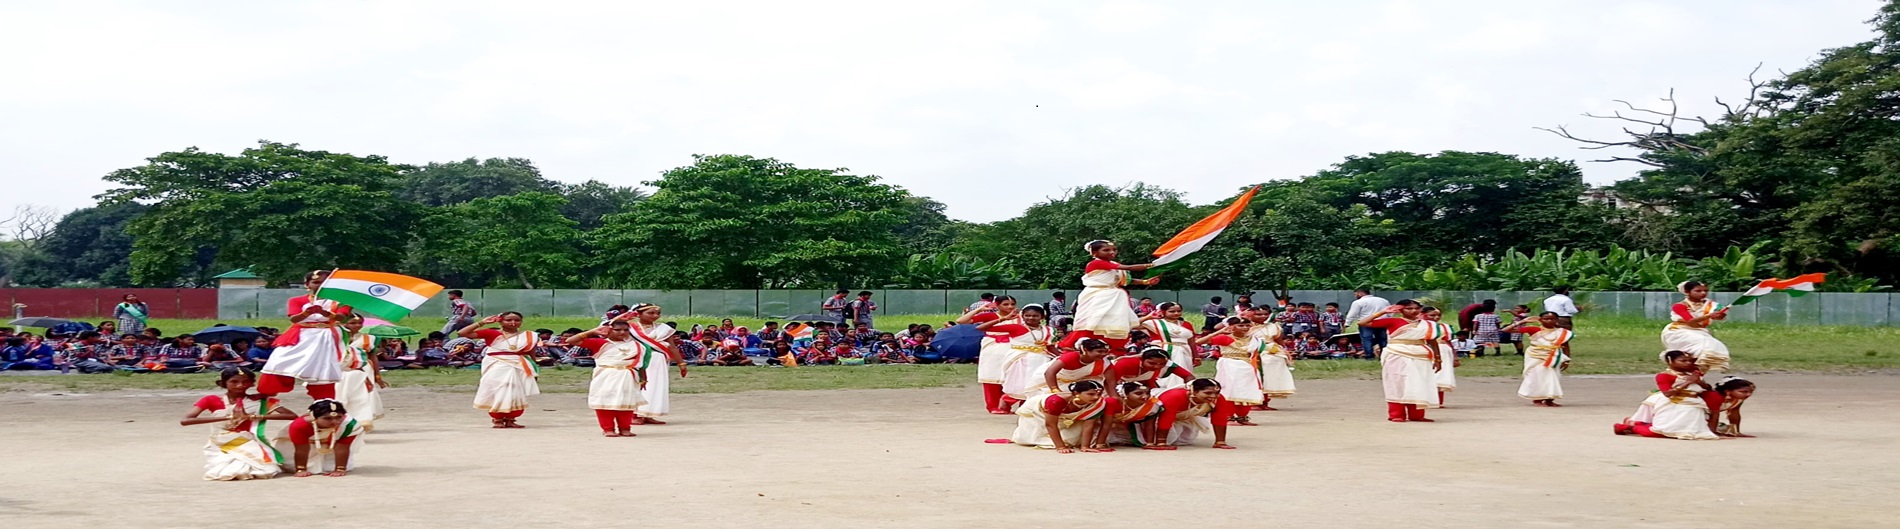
pixel 1602 346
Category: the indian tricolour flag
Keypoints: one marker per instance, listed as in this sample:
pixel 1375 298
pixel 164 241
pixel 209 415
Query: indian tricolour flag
pixel 1198 235
pixel 383 295
pixel 1795 287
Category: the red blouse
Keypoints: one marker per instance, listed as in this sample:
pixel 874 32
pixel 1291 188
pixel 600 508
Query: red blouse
pixel 295 306
pixel 1097 265
pixel 216 403
pixel 301 431
pixel 1130 369
pixel 1174 401
pixel 1387 323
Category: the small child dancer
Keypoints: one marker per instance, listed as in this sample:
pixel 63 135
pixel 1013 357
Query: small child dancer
pixel 326 437
pixel 237 449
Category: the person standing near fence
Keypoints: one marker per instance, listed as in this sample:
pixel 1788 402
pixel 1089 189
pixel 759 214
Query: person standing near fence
pixel 861 310
pixel 132 314
pixel 1058 306
pixel 461 313
pixel 1371 339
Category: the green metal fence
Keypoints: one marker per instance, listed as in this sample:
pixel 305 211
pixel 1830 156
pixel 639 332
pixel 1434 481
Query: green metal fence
pixel 1870 309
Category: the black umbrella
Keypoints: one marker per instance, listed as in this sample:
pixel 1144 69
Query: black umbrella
pixel 962 341
pixel 39 322
pixel 813 317
pixel 226 334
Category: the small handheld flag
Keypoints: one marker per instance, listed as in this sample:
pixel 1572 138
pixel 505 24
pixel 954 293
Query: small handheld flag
pixel 1200 233
pixel 383 295
pixel 1795 287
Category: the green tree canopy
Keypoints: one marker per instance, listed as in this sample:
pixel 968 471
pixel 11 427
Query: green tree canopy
pixel 732 221
pixel 518 240
pixel 450 183
pixel 1046 242
pixel 275 208
pixel 88 245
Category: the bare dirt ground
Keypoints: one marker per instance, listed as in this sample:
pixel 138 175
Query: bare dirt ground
pixel 913 458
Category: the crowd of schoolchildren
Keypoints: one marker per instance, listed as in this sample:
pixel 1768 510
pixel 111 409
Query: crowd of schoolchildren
pixel 845 336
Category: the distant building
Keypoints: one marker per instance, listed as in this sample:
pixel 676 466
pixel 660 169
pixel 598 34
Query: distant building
pixel 239 278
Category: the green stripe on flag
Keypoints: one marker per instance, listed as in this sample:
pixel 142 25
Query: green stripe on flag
pixel 366 304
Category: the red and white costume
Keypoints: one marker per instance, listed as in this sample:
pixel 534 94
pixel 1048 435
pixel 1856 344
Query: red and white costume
pixel 1129 369
pixel 311 351
pixel 1073 370
pixel 1103 311
pixel 1173 337
pixel 994 356
pixel 1032 427
pixel 1031 350
pixel 1183 421
pixel 324 442
pixel 357 391
pixel 1710 354
pixel 1239 381
pixel 1684 416
pixel 1410 384
pixel 508 373
pixel 657 394
pixel 1274 361
pixel 239 450
pixel 614 391
pixel 1543 363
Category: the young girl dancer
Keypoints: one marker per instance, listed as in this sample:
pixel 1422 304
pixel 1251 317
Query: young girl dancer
pixel 1276 370
pixel 996 349
pixel 1678 408
pixel 614 392
pixel 238 448
pixel 1102 311
pixel 1063 421
pixel 1174 335
pixel 1032 347
pixel 1733 391
pixel 657 341
pixel 1090 363
pixel 1147 369
pixel 1688 329
pixel 362 375
pixel 1188 411
pixel 311 350
pixel 1239 379
pixel 1408 363
pixel 324 440
pixel 1440 340
pixel 1133 418
pixel 508 369
pixel 1544 359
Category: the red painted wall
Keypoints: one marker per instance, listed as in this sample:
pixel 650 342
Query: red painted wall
pixel 97 303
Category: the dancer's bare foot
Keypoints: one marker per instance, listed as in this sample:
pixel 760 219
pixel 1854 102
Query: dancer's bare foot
pixel 654 421
pixel 1224 446
pixel 610 434
pixel 510 423
pixel 1395 419
pixel 626 433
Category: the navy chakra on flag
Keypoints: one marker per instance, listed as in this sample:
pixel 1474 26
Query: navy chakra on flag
pixel 379 290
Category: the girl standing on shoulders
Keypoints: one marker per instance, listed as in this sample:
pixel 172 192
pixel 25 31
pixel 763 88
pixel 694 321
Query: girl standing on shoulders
pixel 1173 335
pixel 1440 340
pixel 995 316
pixel 237 449
pixel 1544 359
pixel 324 439
pixel 1688 329
pixel 1103 310
pixel 614 392
pixel 1191 410
pixel 312 349
pixel 1409 362
pixel 1062 421
pixel 362 375
pixel 1239 379
pixel 508 368
pixel 656 340
pixel 1678 408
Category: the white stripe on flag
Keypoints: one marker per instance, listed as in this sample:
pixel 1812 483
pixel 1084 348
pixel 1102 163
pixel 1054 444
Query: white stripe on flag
pixel 398 296
pixel 1757 291
pixel 1185 249
pixel 1808 287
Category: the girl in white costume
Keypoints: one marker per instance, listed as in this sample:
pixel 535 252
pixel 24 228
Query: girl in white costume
pixel 362 375
pixel 1032 347
pixel 1273 355
pixel 659 342
pixel 1235 370
pixel 325 440
pixel 508 370
pixel 614 390
pixel 1677 409
pixel 1065 422
pixel 1102 311
pixel 1440 340
pixel 1544 359
pixel 238 448
pixel 1688 329
pixel 999 315
pixel 1172 333
pixel 1409 364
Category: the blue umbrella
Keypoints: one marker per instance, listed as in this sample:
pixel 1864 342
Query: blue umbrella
pixel 226 334
pixel 962 341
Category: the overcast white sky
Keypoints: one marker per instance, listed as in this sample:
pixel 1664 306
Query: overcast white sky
pixel 986 106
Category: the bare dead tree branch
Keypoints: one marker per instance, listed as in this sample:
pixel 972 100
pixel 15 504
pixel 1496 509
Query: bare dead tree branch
pixel 30 223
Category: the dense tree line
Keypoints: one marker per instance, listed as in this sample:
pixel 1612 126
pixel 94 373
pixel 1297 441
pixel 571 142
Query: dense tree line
pixel 1799 175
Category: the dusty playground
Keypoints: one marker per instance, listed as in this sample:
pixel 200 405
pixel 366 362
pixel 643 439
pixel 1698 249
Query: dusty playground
pixel 914 458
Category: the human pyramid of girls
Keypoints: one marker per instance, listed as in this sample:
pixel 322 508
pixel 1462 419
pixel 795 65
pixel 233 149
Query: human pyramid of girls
pixel 1074 394
pixel 1058 388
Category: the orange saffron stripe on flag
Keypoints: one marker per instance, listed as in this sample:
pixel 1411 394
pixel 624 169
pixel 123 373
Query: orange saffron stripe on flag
pixel 419 286
pixel 1216 222
pixel 1784 284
